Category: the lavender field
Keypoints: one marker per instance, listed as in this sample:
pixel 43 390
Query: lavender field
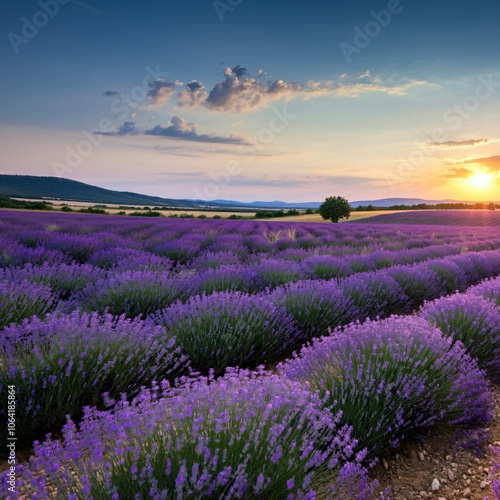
pixel 226 359
pixel 441 217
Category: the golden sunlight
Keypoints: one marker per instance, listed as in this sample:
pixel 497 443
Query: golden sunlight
pixel 481 181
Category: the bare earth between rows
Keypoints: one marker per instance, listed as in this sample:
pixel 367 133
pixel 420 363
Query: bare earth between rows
pixel 410 470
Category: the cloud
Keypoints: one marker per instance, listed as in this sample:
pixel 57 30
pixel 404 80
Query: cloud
pixel 457 173
pixel 194 95
pixel 182 129
pixel 491 162
pixel 160 92
pixel 179 128
pixel 300 181
pixel 203 151
pixel 126 128
pixel 110 93
pixel 460 144
pixel 240 92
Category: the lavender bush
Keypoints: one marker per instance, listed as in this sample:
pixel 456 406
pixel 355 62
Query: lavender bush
pixel 489 289
pixel 315 306
pixel 133 293
pixel 274 272
pixel 18 255
pixel 214 260
pixel 63 363
pixel 229 329
pixel 375 294
pixel 393 378
pixel 450 273
pixel 325 267
pixel 418 282
pixel 472 320
pixel 129 259
pixel 225 278
pixel 63 279
pixel 22 299
pixel 246 435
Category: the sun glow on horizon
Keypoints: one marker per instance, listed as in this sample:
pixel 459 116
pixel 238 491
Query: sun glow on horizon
pixel 481 181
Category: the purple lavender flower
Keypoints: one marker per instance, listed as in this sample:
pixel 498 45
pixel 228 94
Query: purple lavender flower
pixel 229 329
pixel 316 306
pixel 472 320
pixel 63 279
pixel 244 434
pixel 450 273
pixel 224 278
pixel 215 260
pixel 129 259
pixel 180 250
pixel 274 272
pixel 13 254
pixel 325 267
pixel 418 282
pixel 375 295
pixel 133 293
pixel 393 378
pixel 22 299
pixel 63 363
pixel 489 289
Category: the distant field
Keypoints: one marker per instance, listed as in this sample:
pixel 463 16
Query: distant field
pixel 317 218
pixel 440 218
pixel 114 209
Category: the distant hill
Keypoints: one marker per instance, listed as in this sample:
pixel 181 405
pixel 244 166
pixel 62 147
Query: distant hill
pixel 57 188
pixel 389 202
pixel 267 204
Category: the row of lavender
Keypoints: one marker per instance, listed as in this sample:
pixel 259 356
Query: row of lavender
pixel 306 432
pixel 232 327
pixel 106 241
pixel 92 268
pixel 93 288
pixel 64 361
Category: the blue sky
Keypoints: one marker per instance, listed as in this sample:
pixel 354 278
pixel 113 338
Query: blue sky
pixel 247 99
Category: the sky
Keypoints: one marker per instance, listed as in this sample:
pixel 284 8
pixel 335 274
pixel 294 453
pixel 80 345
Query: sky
pixel 255 100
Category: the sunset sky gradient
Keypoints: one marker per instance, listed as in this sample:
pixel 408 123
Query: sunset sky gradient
pixel 255 100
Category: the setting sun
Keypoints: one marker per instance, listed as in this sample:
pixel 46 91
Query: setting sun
pixel 481 181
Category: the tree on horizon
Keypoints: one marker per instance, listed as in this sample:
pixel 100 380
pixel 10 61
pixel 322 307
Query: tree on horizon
pixel 335 208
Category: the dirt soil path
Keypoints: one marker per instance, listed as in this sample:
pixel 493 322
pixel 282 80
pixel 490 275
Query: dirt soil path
pixel 411 470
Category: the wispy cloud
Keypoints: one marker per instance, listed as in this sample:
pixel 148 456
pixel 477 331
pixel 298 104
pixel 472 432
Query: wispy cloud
pixel 492 163
pixel 126 128
pixel 240 92
pixel 462 144
pixel 179 128
pixel 198 151
pixel 182 129
pixel 298 181
pixel 110 93
pixel 457 173
pixel 160 91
